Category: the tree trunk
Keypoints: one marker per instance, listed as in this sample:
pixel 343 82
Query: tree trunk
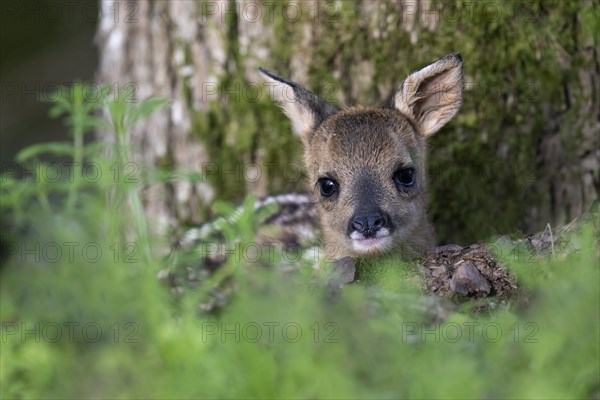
pixel 157 48
pixel 538 133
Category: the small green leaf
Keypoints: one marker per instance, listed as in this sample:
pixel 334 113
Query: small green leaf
pixel 165 175
pixel 56 148
pixel 145 109
pixel 95 148
pixel 58 109
pixel 194 177
pixel 152 104
pixel 94 122
pixel 223 208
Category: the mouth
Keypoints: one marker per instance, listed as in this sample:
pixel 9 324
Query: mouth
pixel 378 244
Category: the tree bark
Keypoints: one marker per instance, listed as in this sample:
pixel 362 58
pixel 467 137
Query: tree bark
pixel 161 50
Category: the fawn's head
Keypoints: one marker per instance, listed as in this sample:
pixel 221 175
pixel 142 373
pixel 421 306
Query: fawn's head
pixel 367 166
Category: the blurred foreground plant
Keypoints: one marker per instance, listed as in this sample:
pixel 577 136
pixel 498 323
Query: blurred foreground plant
pixel 101 325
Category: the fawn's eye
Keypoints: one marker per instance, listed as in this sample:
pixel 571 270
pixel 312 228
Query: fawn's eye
pixel 405 177
pixel 327 186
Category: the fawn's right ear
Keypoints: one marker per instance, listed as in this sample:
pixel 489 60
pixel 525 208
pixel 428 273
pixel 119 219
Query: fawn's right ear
pixel 305 109
pixel 432 96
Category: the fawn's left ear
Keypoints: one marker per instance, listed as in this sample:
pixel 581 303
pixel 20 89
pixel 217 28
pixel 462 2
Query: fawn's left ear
pixel 432 96
pixel 305 109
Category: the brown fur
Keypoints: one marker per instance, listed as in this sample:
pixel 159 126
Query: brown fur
pixel 361 149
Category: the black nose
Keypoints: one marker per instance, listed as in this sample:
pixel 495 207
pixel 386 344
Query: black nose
pixel 368 225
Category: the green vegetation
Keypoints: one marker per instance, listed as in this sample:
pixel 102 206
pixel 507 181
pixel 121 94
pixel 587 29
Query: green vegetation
pixel 84 315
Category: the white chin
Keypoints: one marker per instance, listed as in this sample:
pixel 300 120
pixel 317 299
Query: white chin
pixel 372 245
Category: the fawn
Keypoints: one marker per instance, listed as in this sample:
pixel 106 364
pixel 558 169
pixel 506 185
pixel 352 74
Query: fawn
pixel 367 166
